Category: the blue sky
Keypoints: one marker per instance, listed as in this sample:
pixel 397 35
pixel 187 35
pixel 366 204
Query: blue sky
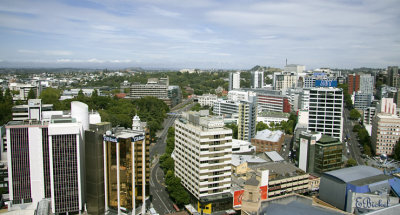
pixel 199 33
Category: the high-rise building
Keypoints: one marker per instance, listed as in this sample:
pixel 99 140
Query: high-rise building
pixel 285 80
pixel 203 154
pixel 257 79
pixel 234 80
pixel 319 153
pixel 385 133
pixel 353 83
pixel 127 167
pixel 393 76
pixel 94 165
pixel 46 160
pixel 325 111
pixel 32 110
pixel 247 119
pixel 294 68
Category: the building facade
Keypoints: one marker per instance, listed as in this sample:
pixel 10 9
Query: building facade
pixel 203 154
pixel 247 119
pixel 325 111
pixel 234 80
pixel 285 80
pixel 271 102
pixel 385 133
pixel 266 141
pixel 257 79
pixel 207 99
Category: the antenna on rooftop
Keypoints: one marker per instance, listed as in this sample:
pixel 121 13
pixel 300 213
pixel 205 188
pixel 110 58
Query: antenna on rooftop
pixel 286 61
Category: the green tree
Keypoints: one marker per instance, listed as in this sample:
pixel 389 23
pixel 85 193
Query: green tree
pixel 50 96
pixel 261 126
pixel 357 127
pixel 95 94
pixel 8 97
pixel 397 150
pixel 81 96
pixel 354 114
pixel 234 128
pixel 351 162
pixel 1 95
pixel 31 94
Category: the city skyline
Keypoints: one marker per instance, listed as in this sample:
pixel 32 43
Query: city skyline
pixel 199 34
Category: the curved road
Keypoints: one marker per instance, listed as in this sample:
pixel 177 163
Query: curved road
pixel 161 201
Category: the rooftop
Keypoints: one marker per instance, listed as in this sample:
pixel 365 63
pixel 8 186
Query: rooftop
pixel 295 204
pixel 325 139
pixel 273 114
pixel 274 156
pixel 267 135
pixel 239 159
pixel 354 173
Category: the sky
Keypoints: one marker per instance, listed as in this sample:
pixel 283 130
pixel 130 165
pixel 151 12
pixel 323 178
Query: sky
pixel 224 34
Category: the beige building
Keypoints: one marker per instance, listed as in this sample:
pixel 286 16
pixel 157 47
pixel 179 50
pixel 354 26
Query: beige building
pixel 385 133
pixel 203 153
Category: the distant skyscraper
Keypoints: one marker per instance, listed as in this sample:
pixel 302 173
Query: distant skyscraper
pixel 257 79
pixel 234 80
pixel 247 119
pixel 353 83
pixel 393 76
pixel 325 111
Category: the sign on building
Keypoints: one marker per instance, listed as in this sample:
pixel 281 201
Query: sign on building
pixel 370 201
pixel 326 83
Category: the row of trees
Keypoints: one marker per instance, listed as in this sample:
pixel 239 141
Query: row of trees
pixel 364 138
pixel 6 104
pixel 174 187
pixel 112 109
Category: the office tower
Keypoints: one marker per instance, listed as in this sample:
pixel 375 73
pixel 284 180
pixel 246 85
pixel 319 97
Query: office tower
pixel 127 168
pixel 325 111
pixel 203 154
pixel 294 68
pixel 234 80
pixel 273 102
pixel 385 133
pixel 393 76
pixel 353 83
pixel 94 160
pixel 386 105
pixel 247 119
pixel 285 80
pixel 319 153
pixel 46 160
pixel 257 79
pixel 367 82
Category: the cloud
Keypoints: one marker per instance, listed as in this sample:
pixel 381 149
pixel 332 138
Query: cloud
pixel 45 52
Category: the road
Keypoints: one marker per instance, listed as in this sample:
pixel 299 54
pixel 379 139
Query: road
pixel 160 198
pixel 352 144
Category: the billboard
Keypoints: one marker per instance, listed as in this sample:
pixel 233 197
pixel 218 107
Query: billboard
pixel 326 83
pixel 237 198
pixel 264 192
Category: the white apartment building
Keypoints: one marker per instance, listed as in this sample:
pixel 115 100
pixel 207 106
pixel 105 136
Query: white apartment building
pixel 234 80
pixel 154 87
pixel 285 80
pixel 294 68
pixel 225 107
pixel 257 79
pixel 239 95
pixel 45 160
pixel 325 111
pixel 385 133
pixel 368 115
pixel 207 99
pixel 203 154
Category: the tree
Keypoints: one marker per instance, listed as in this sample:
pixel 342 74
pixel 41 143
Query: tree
pixel 354 114
pixel 397 150
pixel 357 127
pixel 95 94
pixel 80 96
pixel 8 97
pixel 50 96
pixel 234 128
pixel 31 94
pixel 351 162
pixel 261 126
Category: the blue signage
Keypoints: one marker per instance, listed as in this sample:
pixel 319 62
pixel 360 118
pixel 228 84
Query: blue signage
pixel 110 139
pixel 319 74
pixel 326 83
pixel 367 202
pixel 137 138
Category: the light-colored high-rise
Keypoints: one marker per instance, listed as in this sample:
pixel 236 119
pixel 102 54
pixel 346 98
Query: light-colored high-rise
pixel 203 154
pixel 285 80
pixel 257 79
pixel 385 133
pixel 325 111
pixel 234 80
pixel 46 160
pixel 247 119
